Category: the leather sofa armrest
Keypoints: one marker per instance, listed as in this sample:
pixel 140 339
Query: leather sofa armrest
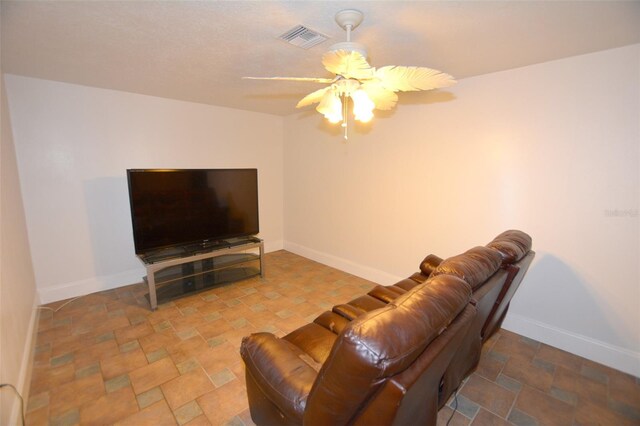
pixel 280 371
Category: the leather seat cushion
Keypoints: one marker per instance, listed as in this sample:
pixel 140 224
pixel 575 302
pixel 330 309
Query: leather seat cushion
pixel 386 294
pixel 411 282
pixel 313 339
pixel 332 321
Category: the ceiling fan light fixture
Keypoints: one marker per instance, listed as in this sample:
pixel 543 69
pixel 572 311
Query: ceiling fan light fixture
pixel 346 86
pixel 362 106
pixel 330 106
pixel 368 87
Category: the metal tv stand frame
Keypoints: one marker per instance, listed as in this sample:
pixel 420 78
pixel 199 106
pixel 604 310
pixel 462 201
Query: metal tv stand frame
pixel 159 261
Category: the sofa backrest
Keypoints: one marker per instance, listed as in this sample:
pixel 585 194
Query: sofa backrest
pixel 380 344
pixel 515 248
pixel 512 245
pixel 474 266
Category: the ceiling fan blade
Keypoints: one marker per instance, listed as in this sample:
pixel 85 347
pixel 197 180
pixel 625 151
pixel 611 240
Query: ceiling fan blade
pixel 349 64
pixel 306 79
pixel 313 97
pixel 383 99
pixel 399 78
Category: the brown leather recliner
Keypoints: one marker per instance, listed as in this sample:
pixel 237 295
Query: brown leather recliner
pixel 493 273
pixel 382 368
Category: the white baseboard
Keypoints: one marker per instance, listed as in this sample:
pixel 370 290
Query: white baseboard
pixel 90 285
pixel 26 364
pixel 345 265
pixel 270 246
pixel 612 356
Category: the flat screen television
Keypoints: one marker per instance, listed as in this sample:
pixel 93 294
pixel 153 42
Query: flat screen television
pixel 182 207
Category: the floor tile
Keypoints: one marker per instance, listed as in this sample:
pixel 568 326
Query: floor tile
pixel 133 332
pixel 186 387
pixel 187 412
pixel 150 397
pixel 485 418
pixel 222 377
pixel 38 401
pixel 156 414
pixel 68 418
pixel 591 413
pixel 559 357
pixel 488 395
pixel 122 363
pixel 574 383
pixel 546 409
pixel 110 408
pixel 202 420
pixel 489 366
pixel 520 418
pixel 152 375
pixel 75 394
pixel 526 372
pixel 465 406
pixel 509 383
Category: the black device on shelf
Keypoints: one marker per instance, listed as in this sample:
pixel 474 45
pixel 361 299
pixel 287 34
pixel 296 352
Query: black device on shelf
pixel 191 208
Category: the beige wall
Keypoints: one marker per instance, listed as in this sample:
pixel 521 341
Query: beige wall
pixel 552 149
pixel 74 144
pixel 17 284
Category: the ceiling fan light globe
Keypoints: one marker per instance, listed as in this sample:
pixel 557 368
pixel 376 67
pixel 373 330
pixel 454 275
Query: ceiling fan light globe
pixel 362 106
pixel 364 118
pixel 334 119
pixel 331 107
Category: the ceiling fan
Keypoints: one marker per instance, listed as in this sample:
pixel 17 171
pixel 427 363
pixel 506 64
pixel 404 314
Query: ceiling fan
pixel 368 87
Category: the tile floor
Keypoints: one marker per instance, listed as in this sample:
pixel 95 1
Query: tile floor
pixel 106 358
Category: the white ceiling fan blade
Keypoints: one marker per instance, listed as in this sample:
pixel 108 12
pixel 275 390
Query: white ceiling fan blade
pixel 313 97
pixel 399 78
pixel 349 64
pixel 307 79
pixel 384 99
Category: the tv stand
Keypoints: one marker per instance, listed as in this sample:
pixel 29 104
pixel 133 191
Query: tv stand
pixel 184 270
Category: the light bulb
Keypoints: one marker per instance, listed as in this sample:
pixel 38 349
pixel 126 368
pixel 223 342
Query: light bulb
pixel 331 107
pixel 362 106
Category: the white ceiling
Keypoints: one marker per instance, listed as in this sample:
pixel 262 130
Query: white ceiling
pixel 197 51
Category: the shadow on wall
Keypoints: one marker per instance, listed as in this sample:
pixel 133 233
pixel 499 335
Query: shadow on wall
pixel 109 219
pixel 553 293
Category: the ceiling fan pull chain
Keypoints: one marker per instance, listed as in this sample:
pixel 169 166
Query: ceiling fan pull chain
pixel 345 117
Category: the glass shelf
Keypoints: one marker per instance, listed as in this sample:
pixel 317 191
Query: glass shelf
pixel 169 277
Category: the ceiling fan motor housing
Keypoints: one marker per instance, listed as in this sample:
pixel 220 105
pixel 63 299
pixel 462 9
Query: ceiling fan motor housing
pixel 348 20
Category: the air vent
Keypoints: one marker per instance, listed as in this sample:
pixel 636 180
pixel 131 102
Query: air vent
pixel 303 37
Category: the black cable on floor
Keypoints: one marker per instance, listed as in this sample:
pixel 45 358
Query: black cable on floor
pixel 19 396
pixel 455 403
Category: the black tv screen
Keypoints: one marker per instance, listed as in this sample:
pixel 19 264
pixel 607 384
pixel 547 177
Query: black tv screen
pixel 175 207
